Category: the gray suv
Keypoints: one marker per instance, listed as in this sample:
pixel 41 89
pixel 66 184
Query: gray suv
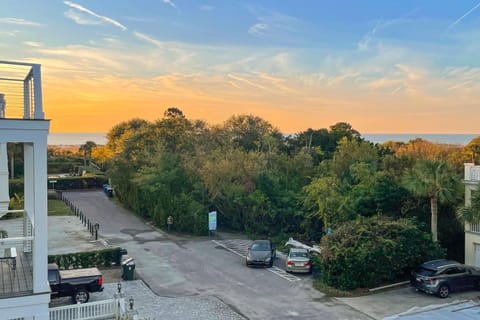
pixel 440 277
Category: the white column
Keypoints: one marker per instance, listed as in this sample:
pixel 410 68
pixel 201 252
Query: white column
pixel 4 195
pixel 37 92
pixel 36 203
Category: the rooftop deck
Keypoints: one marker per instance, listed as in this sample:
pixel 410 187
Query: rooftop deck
pixel 20 91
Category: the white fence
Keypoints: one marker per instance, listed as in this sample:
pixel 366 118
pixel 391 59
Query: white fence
pixel 105 309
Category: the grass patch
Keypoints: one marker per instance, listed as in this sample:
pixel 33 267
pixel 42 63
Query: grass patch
pixel 334 292
pixel 58 208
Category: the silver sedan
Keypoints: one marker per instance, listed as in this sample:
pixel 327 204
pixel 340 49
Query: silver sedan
pixel 298 260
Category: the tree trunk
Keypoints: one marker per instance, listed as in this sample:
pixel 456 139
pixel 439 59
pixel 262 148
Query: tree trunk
pixel 434 209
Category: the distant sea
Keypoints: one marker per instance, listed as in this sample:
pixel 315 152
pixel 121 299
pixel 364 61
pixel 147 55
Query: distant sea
pixel 100 138
pixel 448 138
pixel 76 138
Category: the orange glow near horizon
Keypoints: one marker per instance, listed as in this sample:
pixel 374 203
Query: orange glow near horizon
pixel 97 105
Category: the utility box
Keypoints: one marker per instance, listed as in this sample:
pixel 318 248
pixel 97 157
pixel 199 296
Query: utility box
pixel 128 269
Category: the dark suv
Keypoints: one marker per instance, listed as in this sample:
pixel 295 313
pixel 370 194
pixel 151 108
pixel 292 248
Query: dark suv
pixel 440 277
pixel 261 253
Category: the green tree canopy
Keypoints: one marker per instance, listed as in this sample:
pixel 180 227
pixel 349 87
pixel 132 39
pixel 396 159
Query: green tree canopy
pixel 436 180
pixel 470 213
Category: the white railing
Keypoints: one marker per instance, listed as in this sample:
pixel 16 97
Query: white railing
pixel 18 232
pixel 475 227
pixel 93 310
pixel 472 172
pixel 21 86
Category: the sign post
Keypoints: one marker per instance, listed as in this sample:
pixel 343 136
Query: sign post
pixel 169 223
pixel 212 222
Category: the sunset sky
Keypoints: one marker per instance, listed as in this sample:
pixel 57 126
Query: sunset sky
pixel 383 66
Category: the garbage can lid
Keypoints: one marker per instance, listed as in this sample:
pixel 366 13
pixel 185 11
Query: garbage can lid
pixel 128 261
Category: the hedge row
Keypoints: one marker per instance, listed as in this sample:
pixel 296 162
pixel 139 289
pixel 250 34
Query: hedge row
pixel 63 183
pixel 88 259
pixel 69 183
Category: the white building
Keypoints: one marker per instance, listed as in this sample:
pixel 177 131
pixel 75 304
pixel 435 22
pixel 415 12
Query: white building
pixel 24 288
pixel 472 230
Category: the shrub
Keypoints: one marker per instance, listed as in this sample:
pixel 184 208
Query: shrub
pixel 368 252
pixel 86 182
pixel 87 259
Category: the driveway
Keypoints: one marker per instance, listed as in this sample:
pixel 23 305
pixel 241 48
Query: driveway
pixel 177 268
pixel 383 304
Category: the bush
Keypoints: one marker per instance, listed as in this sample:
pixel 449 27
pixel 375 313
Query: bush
pixel 15 186
pixel 88 259
pixel 86 182
pixel 369 252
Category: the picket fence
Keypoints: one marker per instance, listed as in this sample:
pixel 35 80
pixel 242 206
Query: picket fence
pixel 106 309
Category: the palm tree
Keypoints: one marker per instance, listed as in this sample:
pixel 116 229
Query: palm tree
pixel 433 179
pixel 87 151
pixel 470 213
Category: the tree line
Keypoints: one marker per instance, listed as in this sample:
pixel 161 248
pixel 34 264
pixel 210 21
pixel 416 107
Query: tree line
pixel 263 182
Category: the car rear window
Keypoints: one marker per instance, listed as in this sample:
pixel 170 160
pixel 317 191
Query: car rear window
pixel 298 255
pixel 425 272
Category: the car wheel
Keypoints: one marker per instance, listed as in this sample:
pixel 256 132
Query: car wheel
pixel 270 264
pixel 80 296
pixel 443 291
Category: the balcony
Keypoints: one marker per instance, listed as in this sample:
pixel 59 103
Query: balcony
pixel 20 91
pixel 472 173
pixel 16 263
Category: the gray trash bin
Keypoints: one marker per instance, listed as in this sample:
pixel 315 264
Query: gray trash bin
pixel 128 268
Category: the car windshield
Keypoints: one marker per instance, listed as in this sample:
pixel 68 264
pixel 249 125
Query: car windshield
pixel 260 246
pixel 425 272
pixel 298 254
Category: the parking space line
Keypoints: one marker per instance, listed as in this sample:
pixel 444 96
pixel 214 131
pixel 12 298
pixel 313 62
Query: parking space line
pixel 281 273
pixel 224 246
pixel 240 245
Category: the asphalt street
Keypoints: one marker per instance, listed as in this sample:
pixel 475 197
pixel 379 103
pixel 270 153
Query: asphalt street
pixel 201 275
pixel 178 267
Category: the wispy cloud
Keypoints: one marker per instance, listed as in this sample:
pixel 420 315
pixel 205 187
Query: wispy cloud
pixel 80 8
pixel 33 44
pixel 246 81
pixel 257 29
pixel 17 21
pixel 273 22
pixel 147 38
pixel 170 3
pixel 370 37
pixel 464 16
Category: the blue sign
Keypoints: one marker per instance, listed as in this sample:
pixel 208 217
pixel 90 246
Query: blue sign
pixel 212 220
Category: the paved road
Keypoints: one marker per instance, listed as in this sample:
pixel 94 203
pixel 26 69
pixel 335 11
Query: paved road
pixel 181 267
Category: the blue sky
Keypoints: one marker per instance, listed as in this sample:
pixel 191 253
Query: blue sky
pixel 383 66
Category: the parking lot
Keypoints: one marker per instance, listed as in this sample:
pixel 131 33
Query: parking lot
pixel 173 267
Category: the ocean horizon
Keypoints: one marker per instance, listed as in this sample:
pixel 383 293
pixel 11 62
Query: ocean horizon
pixel 100 138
